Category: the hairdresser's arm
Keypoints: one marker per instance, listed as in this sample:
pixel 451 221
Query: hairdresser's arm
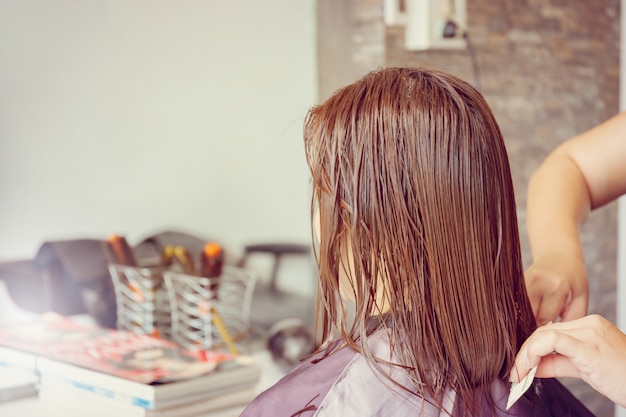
pixel 591 348
pixel 580 175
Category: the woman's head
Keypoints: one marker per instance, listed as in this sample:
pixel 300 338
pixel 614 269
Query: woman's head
pixel 418 225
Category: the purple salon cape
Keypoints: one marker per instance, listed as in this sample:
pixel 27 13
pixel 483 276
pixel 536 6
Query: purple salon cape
pixel 344 385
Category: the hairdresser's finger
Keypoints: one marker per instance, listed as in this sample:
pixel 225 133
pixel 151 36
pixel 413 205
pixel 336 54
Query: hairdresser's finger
pixel 577 308
pixel 594 346
pixel 556 366
pixel 550 307
pixel 547 294
pixel 581 325
pixel 572 344
pixel 557 287
pixel 544 342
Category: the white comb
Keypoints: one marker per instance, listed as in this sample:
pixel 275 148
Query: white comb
pixel 518 389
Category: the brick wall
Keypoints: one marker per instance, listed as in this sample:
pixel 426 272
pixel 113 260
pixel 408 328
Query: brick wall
pixel 548 68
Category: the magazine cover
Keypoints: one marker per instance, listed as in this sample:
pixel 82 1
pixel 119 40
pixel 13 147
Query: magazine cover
pixel 135 357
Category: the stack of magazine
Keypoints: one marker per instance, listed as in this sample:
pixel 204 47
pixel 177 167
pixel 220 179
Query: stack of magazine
pixel 107 372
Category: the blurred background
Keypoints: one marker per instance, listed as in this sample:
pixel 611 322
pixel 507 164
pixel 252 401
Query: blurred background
pixel 136 117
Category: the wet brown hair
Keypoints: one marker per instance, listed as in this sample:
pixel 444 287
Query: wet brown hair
pixel 412 182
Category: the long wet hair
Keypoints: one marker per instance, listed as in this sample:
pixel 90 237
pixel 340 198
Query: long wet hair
pixel 412 185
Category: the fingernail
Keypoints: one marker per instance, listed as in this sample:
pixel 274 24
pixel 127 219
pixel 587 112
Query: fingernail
pixel 514 376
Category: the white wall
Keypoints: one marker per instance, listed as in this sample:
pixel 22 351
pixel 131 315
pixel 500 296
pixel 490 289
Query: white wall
pixel 136 116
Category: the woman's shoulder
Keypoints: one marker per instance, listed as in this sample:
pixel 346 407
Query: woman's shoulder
pixel 302 390
pixel 345 384
pixel 341 383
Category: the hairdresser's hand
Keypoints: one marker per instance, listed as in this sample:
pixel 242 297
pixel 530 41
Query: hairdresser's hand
pixel 558 288
pixel 591 348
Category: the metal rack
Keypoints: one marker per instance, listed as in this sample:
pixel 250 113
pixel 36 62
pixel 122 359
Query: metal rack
pixel 197 312
pixel 142 300
pixel 207 312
